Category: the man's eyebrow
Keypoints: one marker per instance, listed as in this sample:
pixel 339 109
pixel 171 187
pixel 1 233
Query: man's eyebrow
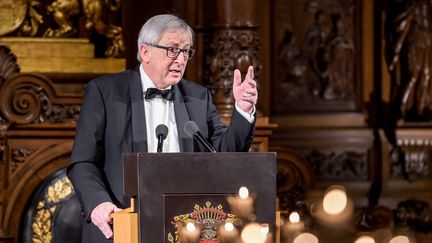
pixel 173 44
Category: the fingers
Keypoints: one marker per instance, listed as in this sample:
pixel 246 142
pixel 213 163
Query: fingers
pixel 237 78
pixel 116 209
pixel 250 73
pixel 249 78
pixel 100 217
pixel 249 92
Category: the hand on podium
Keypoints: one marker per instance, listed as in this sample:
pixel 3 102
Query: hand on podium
pixel 100 217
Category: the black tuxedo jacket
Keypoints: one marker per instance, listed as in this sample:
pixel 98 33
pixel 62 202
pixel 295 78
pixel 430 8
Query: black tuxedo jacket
pixel 112 121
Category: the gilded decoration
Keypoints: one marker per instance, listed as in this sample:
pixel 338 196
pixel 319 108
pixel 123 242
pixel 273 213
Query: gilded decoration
pixel 43 218
pixel 62 12
pixel 12 14
pixel 33 20
pixel 60 19
pixel 208 218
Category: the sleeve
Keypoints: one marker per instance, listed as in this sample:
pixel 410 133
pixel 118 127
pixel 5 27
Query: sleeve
pixel 87 160
pixel 237 137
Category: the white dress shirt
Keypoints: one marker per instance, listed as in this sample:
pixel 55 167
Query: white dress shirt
pixel 159 111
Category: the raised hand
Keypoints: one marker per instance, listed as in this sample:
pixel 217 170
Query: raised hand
pixel 245 93
pixel 100 217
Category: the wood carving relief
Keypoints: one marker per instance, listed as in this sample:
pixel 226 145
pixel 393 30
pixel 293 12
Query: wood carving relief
pixel 409 48
pixel 28 98
pixel 294 177
pixel 332 165
pixel 19 155
pixel 8 68
pixel 375 217
pixel 315 53
pixel 60 18
pixel 8 64
pixel 230 49
pixel 411 159
pixel 3 149
pixel 415 214
pixel 37 120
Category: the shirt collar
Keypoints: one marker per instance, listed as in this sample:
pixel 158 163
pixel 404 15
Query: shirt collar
pixel 146 82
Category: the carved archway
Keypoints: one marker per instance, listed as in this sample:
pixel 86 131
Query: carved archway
pixel 294 177
pixel 28 177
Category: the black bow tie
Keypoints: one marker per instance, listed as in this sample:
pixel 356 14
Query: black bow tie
pixel 167 94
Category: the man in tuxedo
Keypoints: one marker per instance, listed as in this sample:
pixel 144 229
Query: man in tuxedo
pixel 121 111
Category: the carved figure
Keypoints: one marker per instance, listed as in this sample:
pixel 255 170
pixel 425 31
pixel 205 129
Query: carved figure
pixel 292 70
pixel 93 12
pixel 339 79
pixel 314 49
pixel 409 58
pixel 63 10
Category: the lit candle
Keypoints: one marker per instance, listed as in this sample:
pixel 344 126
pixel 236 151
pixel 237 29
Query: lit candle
pixel 189 233
pixel 306 238
pixel 254 233
pixel 335 200
pixel 242 205
pixel 227 232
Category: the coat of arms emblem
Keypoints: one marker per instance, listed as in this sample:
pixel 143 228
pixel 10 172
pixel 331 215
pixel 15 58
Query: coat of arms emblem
pixel 207 219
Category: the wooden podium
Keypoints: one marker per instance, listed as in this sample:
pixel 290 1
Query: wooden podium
pixel 170 186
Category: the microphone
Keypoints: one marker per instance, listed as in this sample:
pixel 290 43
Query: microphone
pixel 161 134
pixel 192 129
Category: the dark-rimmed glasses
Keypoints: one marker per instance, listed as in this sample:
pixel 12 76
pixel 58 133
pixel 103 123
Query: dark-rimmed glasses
pixel 173 52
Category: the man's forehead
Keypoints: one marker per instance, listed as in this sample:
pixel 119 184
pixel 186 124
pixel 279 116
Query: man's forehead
pixel 176 36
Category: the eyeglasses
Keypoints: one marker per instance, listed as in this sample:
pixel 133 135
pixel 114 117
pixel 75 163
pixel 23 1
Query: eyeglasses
pixel 173 52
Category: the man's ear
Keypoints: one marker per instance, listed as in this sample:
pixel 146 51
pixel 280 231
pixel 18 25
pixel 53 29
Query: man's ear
pixel 144 53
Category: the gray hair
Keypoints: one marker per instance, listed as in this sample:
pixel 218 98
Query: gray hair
pixel 153 30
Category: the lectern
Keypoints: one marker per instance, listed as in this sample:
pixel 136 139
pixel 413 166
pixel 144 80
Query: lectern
pixel 171 187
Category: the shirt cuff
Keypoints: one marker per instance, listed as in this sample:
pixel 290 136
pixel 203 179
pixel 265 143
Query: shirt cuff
pixel 249 117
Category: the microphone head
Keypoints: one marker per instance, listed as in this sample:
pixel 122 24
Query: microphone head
pixel 161 130
pixel 191 128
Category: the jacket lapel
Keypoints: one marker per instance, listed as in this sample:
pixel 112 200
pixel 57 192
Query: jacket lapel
pixel 139 134
pixel 182 116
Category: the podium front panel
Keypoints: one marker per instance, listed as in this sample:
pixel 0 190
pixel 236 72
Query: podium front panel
pixel 182 180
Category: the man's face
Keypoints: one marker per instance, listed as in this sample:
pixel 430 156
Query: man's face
pixel 163 70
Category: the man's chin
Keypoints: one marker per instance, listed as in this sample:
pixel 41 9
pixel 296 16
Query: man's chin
pixel 174 81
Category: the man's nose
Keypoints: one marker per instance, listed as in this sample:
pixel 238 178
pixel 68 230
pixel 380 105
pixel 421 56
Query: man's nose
pixel 181 58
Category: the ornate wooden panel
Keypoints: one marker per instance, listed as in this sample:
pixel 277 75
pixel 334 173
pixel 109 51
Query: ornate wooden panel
pixel 315 56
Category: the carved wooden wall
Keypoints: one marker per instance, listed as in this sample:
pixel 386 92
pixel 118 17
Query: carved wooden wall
pixel 350 92
pixel 37 128
pixel 346 83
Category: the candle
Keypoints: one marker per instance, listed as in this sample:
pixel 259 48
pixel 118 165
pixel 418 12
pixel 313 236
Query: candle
pixel 189 233
pixel 242 205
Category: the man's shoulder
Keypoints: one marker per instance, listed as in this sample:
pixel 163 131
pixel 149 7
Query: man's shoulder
pixel 117 84
pixel 190 86
pixel 114 79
